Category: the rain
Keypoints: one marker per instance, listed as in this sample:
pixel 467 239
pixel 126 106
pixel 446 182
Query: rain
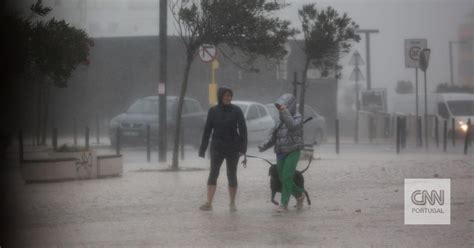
pixel 114 111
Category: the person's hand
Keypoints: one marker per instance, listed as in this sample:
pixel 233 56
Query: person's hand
pixel 202 154
pixel 244 162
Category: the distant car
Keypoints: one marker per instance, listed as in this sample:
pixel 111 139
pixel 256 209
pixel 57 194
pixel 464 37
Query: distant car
pixel 258 119
pixel 144 111
pixel 314 131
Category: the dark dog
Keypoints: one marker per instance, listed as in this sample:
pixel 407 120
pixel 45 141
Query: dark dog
pixel 275 184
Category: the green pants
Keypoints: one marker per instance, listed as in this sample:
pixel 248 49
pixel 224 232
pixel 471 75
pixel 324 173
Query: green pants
pixel 286 171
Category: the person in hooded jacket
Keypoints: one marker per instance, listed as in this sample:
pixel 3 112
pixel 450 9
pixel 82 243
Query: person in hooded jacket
pixel 229 140
pixel 287 139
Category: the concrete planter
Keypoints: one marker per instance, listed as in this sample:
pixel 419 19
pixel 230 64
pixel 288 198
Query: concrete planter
pixel 108 166
pixel 60 166
pixel 48 170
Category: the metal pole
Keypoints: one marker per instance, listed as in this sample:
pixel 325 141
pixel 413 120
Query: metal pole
pixel 337 136
pixel 117 144
pixel 398 135
pixel 467 136
pixel 74 130
pixel 445 135
pixel 419 124
pixel 97 128
pixel 367 33
pixel 148 150
pixel 436 131
pixel 87 138
pixel 403 132
pixel 367 54
pixel 426 113
pixel 417 128
pixel 163 58
pixel 356 131
pixel 454 131
pixel 451 63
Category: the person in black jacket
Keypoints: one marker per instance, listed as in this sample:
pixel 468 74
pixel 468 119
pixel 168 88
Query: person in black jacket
pixel 229 142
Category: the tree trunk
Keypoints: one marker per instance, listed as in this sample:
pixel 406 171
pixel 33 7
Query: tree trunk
pixel 184 85
pixel 303 87
pixel 45 114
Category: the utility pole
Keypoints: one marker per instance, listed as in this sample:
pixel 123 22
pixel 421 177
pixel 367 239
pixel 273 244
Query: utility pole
pixel 424 58
pixel 162 139
pixel 356 76
pixel 367 33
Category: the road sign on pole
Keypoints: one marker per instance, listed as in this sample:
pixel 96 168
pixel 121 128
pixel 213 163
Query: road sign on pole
pixel 356 76
pixel 424 59
pixel 356 59
pixel 413 48
pixel 207 53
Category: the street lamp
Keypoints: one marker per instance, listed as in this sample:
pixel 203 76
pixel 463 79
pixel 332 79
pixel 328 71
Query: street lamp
pixel 451 42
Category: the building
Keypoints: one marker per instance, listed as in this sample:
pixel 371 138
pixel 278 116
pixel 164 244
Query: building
pixel 466 51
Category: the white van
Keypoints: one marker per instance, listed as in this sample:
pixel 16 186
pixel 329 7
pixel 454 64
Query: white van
pixel 459 106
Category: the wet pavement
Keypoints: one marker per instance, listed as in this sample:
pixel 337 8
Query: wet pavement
pixel 357 201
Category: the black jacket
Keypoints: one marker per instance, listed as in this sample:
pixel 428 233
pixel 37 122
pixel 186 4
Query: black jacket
pixel 227 123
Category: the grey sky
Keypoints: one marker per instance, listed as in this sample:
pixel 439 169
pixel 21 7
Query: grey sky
pixel 436 20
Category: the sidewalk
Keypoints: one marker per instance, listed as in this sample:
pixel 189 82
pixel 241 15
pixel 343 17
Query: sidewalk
pixel 357 201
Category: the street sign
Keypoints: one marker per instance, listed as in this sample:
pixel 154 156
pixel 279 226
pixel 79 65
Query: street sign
pixel 356 75
pixel 207 53
pixel 412 50
pixel 424 59
pixel 161 89
pixel 356 59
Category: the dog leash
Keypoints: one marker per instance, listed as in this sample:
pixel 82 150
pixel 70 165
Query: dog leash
pixel 244 162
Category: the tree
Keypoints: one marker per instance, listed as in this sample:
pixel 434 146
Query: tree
pixel 243 25
pixel 55 50
pixel 327 36
pixel 404 87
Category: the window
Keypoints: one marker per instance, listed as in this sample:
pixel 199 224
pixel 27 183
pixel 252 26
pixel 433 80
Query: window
pixel 253 113
pixel 243 107
pixel 144 107
pixel 263 112
pixel 442 110
pixel 193 106
pixel 461 107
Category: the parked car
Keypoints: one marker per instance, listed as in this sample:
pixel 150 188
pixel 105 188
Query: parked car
pixel 314 131
pixel 144 111
pixel 258 119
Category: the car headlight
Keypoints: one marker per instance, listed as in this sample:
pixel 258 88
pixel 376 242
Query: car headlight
pixel 463 126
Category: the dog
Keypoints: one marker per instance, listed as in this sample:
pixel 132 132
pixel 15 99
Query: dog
pixel 275 184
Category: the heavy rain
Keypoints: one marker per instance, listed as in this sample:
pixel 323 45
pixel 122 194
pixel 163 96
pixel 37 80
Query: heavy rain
pixel 237 123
